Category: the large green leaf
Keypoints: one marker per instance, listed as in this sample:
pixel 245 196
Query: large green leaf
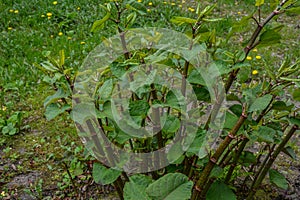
pixel 261 103
pixel 106 89
pixel 60 93
pixel 281 106
pixel 220 191
pixel 230 120
pixel 171 124
pixel 269 37
pixel 53 110
pixel 175 100
pixel 197 147
pixel 278 179
pixel 139 108
pixel 196 78
pixel 135 189
pixel 171 186
pixel 265 134
pixel 104 175
pixel 296 95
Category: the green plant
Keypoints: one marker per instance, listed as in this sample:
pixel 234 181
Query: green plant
pixel 259 111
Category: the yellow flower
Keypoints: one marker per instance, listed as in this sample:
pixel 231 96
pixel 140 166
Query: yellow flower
pixel 180 6
pixel 165 2
pixel 254 50
pixel 16 11
pixel 173 4
pixel 9 28
pixel 150 3
pixel 3 194
pixel 254 72
pixel 258 57
pixel 11 10
pixel 82 42
pixel 54 2
pixel 191 9
pixel 239 13
pixel 51 36
pixel 140 1
pixel 4 108
pixel 49 14
pixel 249 58
pixel 43 16
pixel 60 33
pixel 148 10
pixel 69 38
pixel 78 8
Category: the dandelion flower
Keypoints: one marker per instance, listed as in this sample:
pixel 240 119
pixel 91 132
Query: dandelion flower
pixel 150 3
pixel 239 13
pixel 148 10
pixel 254 72
pixel 165 2
pixel 191 9
pixel 258 57
pixel 69 38
pixel 60 33
pixel 49 14
pixel 54 2
pixel 16 11
pixel 9 28
pixel 254 50
pixel 82 42
pixel 11 11
pixel 78 8
pixel 249 58
pixel 173 4
pixel 140 1
pixel 43 16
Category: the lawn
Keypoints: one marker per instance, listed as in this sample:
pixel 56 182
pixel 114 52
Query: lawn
pixel 41 154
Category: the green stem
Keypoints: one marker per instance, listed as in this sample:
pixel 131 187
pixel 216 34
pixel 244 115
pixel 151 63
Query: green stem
pixel 200 184
pixel 270 162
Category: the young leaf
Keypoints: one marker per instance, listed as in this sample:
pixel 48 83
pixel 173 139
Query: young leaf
pixel 99 24
pixel 171 186
pixel 61 58
pixel 104 175
pixel 259 2
pixel 221 191
pixel 183 20
pixel 207 10
pixel 261 103
pixel 278 179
